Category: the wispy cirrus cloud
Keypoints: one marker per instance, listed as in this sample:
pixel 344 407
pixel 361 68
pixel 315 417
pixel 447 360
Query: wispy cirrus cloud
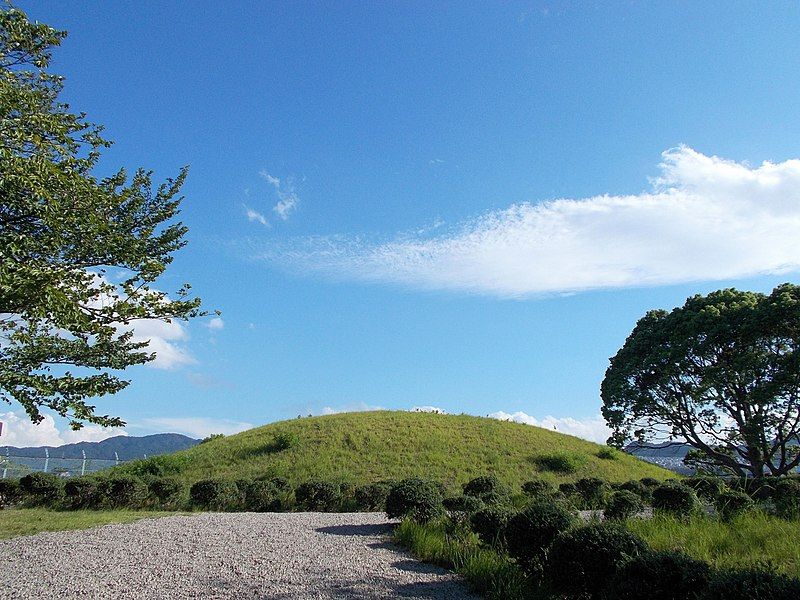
pixel 254 215
pixel 703 218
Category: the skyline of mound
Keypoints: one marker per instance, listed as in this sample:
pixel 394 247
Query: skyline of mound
pixel 364 447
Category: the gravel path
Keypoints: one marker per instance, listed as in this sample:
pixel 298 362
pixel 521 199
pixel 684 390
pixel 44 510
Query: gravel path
pixel 224 555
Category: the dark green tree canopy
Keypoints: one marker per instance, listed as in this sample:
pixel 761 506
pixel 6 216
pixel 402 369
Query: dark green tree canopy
pixel 721 373
pixel 61 228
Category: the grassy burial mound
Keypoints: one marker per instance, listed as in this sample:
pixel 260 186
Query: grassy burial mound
pixel 366 447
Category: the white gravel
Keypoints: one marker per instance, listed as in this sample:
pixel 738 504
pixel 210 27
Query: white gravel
pixel 224 555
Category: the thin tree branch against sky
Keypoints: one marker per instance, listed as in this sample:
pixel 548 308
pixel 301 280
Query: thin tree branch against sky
pixel 448 205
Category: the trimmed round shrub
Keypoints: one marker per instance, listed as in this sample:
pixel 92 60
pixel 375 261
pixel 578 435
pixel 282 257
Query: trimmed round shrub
pixel 730 503
pixel 622 505
pixel 418 498
pixel 167 491
pixel 490 524
pixel 706 487
pixel 124 491
pixel 42 489
pixel 660 576
pixel 592 492
pixel 560 462
pixel 10 492
pixel 262 496
pixel 583 561
pixel 787 498
pixel 650 482
pixel 530 532
pixel 638 488
pixel 463 503
pixel 372 496
pixel 479 486
pixel 318 495
pixel 537 488
pixel 281 484
pixel 752 584
pixel 676 499
pixel 82 492
pixel 215 494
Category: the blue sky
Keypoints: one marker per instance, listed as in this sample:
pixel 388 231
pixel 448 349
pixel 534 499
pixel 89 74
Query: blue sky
pixel 374 195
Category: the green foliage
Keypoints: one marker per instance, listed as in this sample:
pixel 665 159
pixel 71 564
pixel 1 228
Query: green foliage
pixel 318 495
pixel 81 493
pixel 608 453
pixel 262 496
pixel 42 489
pixel 215 494
pixel 747 541
pixel 725 365
pixel 730 503
pixel 584 560
pixel 372 497
pixel 752 584
pixel 787 498
pixel 637 487
pixel 414 497
pixel 592 492
pixel 706 487
pixel 463 503
pixel 676 499
pixel 490 574
pixel 660 576
pixel 167 491
pixel 490 522
pixel 530 532
pixel 124 491
pixel 285 440
pixel 538 488
pixel 560 462
pixel 623 505
pixel 10 492
pixel 61 229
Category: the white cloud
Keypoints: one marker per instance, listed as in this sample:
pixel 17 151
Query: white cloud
pixel 286 204
pixel 19 431
pixel 164 339
pixel 197 427
pixel 216 324
pixel 346 408
pixel 593 429
pixel 273 181
pixel 429 409
pixel 256 216
pixel 704 218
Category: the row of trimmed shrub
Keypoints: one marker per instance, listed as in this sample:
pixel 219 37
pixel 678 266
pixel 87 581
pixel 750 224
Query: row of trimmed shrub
pixel 559 553
pixel 168 493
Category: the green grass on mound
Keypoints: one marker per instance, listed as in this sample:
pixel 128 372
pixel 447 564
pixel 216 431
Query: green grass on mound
pixel 28 521
pixel 372 446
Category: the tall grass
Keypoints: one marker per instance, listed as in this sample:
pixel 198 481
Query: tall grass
pixel 749 540
pixel 490 573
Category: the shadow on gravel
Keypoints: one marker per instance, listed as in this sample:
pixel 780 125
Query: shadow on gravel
pixel 356 530
pixel 415 566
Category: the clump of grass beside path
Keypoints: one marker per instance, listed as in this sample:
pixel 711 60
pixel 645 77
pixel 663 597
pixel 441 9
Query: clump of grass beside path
pixel 28 521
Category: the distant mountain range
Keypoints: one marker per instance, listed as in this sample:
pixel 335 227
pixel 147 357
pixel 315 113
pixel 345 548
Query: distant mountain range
pixel 126 447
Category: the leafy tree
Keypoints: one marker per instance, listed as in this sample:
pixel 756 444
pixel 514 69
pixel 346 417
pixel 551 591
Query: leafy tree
pixel 61 228
pixel 722 373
